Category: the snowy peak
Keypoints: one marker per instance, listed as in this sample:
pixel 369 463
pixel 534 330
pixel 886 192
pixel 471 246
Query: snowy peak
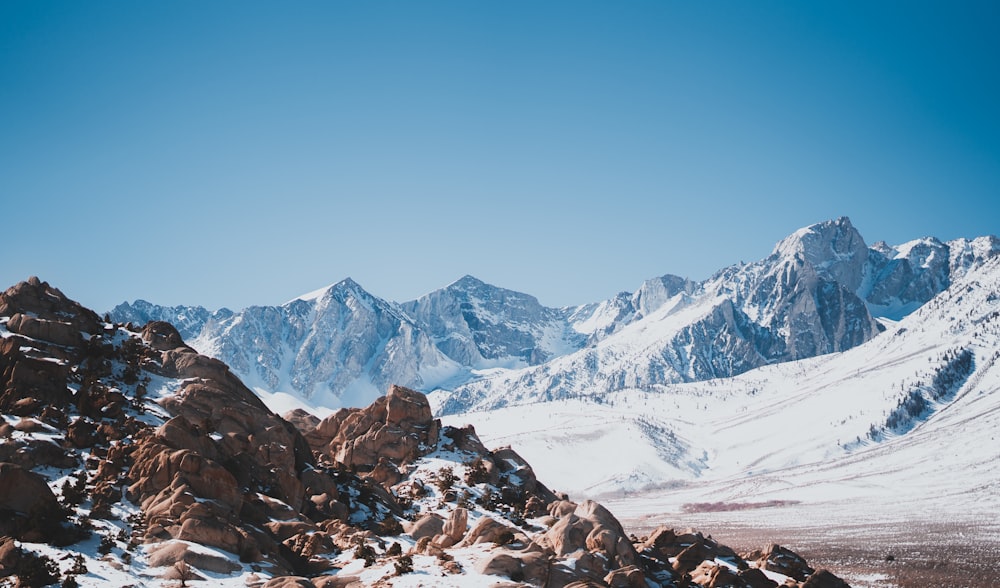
pixel 835 249
pixel 340 291
pixel 965 254
pixel 188 320
pixel 900 279
pixel 655 292
pixel 506 304
pixel 481 325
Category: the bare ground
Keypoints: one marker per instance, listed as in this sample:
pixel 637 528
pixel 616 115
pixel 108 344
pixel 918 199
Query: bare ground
pixel 896 554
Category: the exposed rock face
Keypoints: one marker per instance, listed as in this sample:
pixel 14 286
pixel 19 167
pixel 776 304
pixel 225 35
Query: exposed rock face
pixel 477 324
pixel 45 313
pixel 198 477
pixel 30 510
pixel 824 579
pixel 338 347
pixel 782 560
pixel 398 427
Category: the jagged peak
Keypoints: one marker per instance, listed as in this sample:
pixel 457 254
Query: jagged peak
pixel 823 243
pixel 347 285
pixel 469 285
pixel 466 281
pixel 37 298
pixel 919 247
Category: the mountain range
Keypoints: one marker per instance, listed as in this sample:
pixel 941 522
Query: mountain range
pixel 822 290
pixel 129 459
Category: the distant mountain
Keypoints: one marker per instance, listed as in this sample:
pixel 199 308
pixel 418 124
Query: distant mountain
pixel 906 420
pixel 336 346
pixel 188 320
pixel 479 325
pixel 821 290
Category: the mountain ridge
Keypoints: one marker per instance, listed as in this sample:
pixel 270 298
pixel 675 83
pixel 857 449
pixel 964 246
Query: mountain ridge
pixel 822 289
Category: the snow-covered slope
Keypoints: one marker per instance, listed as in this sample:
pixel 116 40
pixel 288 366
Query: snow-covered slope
pixel 909 415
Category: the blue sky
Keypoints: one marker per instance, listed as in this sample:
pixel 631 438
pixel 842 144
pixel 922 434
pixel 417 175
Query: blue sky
pixel 237 153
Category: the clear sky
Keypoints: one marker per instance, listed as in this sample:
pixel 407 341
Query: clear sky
pixel 236 153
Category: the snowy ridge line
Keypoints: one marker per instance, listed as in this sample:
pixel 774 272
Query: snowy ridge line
pixel 821 290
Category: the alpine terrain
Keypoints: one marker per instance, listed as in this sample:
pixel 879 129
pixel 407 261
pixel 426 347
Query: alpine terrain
pixel 129 459
pixel 822 290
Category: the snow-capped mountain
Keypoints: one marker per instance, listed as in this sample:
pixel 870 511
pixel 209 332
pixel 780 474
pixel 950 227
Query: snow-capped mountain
pixel 822 290
pixel 189 320
pixel 480 326
pixel 336 346
pixel 908 417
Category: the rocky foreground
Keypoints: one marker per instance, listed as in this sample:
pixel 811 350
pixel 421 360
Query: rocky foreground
pixel 126 457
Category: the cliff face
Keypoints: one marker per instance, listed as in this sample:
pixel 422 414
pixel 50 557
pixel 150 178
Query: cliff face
pixel 131 439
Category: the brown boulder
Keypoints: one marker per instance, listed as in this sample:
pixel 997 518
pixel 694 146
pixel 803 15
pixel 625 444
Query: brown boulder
pixel 81 433
pixel 179 433
pixel 517 470
pixel 23 491
pixel 782 560
pixel 284 529
pixel 261 448
pixel 33 512
pixel 824 579
pixel 162 336
pixel 28 383
pixel 305 422
pixel 561 508
pixel 428 526
pixel 155 470
pixel 489 530
pixel 457 524
pixel 568 535
pixel 407 409
pixel 755 578
pixel 593 529
pixel 501 564
pixel 627 577
pixel 41 301
pixel 212 532
pixel 710 575
pixel 662 544
pixel 337 582
pixel 52 331
pixel 398 427
pixel 172 552
pixel 690 557
pixel 10 556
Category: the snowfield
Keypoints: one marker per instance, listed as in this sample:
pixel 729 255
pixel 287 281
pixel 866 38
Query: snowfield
pixel 808 440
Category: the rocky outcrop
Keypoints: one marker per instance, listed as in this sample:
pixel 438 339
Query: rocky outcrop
pixel 43 312
pixel 397 427
pixel 30 511
pixel 782 560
